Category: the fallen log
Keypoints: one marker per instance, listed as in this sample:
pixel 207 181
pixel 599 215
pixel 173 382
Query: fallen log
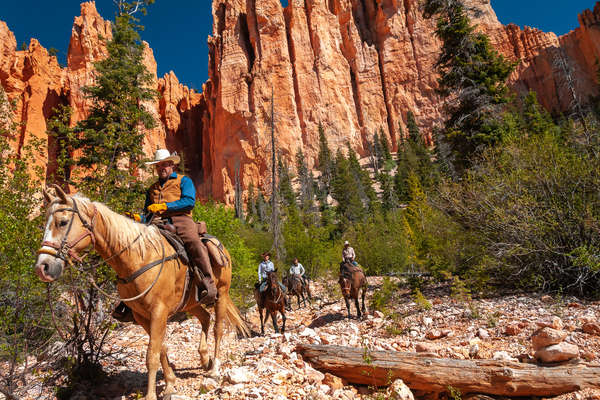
pixel 437 375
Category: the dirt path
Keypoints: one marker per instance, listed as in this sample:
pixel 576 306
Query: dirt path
pixel 266 367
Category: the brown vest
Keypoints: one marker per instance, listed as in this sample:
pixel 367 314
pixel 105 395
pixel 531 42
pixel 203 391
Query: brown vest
pixel 169 192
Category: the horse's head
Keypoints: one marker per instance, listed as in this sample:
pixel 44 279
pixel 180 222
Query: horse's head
pixel 68 232
pixel 272 282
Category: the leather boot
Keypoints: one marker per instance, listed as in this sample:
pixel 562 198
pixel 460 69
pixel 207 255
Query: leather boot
pixel 123 313
pixel 208 296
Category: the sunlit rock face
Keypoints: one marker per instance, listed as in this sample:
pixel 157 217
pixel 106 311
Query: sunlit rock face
pixel 354 67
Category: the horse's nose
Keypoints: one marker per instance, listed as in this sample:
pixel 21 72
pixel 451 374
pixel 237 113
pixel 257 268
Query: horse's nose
pixel 42 270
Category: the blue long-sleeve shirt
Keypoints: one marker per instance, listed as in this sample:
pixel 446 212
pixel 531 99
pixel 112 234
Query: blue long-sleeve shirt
pixel 188 195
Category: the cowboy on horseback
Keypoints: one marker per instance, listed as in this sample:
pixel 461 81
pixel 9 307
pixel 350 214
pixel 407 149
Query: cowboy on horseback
pixel 264 268
pixel 297 270
pixel 170 200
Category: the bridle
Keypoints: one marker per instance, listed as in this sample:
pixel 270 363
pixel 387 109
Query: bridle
pixel 65 250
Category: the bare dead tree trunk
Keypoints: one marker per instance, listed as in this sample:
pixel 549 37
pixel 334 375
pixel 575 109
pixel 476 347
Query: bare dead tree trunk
pixel 239 208
pixel 275 214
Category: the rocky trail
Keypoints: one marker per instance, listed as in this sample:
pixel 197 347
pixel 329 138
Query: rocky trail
pixel 267 367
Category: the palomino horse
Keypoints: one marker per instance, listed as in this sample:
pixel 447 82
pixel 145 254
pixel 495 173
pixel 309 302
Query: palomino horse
pixel 141 256
pixel 352 280
pixel 297 287
pixel 273 299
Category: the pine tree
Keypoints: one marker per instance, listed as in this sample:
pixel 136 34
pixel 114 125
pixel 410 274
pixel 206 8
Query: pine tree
pixel 345 191
pixel 261 207
pixel 325 161
pixel 536 119
pixel 414 132
pixel 385 147
pixel 286 193
pixel 306 182
pixel 474 74
pixel 111 136
pixel 362 181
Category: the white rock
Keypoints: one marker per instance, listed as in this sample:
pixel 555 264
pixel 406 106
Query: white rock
pixel 427 321
pixel 239 375
pixel 503 356
pixel 482 333
pixel 557 353
pixel 324 389
pixel 399 391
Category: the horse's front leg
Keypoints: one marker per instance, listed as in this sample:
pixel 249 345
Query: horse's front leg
pixel 158 326
pixel 347 306
pixel 274 318
pixel 164 359
pixel 364 292
pixel 220 315
pixel 262 324
pixel 356 303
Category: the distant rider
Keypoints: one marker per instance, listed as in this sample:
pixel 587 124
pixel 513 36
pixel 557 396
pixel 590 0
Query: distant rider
pixel 297 270
pixel 263 268
pixel 348 254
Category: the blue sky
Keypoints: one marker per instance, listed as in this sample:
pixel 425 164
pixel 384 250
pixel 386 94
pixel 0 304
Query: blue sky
pixel 177 29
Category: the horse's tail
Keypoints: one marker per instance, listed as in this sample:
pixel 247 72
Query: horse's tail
pixel 234 317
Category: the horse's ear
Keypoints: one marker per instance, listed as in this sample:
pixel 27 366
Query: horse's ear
pixel 47 196
pixel 61 194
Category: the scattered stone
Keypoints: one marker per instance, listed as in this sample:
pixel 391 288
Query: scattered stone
pixel 554 323
pixel 239 375
pixel 557 353
pixel 399 391
pixel 547 337
pixel 591 328
pixel 209 384
pixel 503 356
pixel 588 356
pixel 378 314
pixel 313 375
pixel 483 334
pixel 437 334
pixel 334 382
pixel 474 350
pixel 424 347
pixel 512 330
pixel 547 299
pixel 575 305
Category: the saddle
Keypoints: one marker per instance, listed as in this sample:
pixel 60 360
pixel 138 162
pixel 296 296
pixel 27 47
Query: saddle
pixel 347 270
pixel 214 246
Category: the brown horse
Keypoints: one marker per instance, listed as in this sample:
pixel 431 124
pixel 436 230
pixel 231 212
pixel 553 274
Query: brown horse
pixel 352 280
pixel 273 300
pixel 74 223
pixel 297 287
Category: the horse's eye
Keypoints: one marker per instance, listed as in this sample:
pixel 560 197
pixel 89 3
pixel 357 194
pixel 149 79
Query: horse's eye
pixel 63 223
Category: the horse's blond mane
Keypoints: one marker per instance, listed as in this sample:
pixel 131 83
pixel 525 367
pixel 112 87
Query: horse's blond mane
pixel 121 231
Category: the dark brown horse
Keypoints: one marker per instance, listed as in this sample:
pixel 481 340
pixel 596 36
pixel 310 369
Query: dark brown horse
pixel 298 287
pixel 273 300
pixel 352 280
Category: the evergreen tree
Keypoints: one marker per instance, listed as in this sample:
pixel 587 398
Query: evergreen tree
pixel 261 207
pixel 474 74
pixel 350 207
pixel 325 162
pixel 389 197
pixel 385 147
pixel 61 139
pixel 286 193
pixel 536 120
pixel 306 181
pixel 362 181
pixel 414 132
pixel 111 137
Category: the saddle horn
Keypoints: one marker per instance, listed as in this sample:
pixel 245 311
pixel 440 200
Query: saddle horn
pixel 61 194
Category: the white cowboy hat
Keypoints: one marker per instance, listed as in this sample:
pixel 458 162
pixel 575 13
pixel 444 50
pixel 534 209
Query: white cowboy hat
pixel 164 155
pixel 346 242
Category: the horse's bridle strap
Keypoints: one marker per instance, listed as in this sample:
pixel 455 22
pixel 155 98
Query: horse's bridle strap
pixel 65 250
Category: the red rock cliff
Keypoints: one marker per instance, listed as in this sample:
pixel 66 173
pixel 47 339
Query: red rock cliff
pixel 353 66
